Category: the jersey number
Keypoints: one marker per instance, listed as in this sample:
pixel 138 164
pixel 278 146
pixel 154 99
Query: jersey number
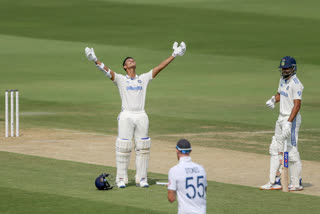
pixel 199 184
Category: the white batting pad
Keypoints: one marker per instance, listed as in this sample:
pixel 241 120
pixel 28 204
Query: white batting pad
pixel 123 151
pixel 295 168
pixel 274 166
pixel 142 158
pixel 276 146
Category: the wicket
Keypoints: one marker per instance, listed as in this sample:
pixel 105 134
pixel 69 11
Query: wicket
pixel 12 112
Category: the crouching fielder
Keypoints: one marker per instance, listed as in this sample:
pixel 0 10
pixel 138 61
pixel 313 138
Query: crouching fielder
pixel 133 122
pixel 287 126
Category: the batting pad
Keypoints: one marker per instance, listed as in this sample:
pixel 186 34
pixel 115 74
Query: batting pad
pixel 143 146
pixel 274 167
pixel 276 146
pixel 295 168
pixel 123 151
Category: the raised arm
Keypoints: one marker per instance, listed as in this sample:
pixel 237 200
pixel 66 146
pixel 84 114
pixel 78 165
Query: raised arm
pixel 176 51
pixel 100 65
pixel 161 66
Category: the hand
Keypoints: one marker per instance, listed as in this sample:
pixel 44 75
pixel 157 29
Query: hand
pixel 90 54
pixel 179 50
pixel 270 103
pixel 286 129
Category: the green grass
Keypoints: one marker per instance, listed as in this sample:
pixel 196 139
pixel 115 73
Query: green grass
pixel 222 82
pixel 219 86
pixel 31 184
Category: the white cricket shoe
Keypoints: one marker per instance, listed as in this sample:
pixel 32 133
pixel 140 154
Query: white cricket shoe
pixel 142 183
pixel 121 184
pixel 270 186
pixel 292 188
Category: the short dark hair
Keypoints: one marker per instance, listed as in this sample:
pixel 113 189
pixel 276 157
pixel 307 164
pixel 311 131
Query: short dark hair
pixel 124 61
pixel 184 146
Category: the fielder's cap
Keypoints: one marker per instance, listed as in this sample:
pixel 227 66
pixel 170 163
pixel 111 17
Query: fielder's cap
pixel 287 62
pixel 184 146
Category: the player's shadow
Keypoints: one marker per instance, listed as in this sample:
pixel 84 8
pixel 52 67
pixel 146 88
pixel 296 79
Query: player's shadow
pixel 306 185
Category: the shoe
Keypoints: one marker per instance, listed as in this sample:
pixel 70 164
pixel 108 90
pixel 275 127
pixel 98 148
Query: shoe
pixel 142 183
pixel 292 188
pixel 121 184
pixel 270 186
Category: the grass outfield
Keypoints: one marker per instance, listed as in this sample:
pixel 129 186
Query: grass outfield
pixel 31 184
pixel 221 84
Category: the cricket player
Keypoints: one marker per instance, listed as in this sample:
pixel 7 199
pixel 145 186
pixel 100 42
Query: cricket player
pixel 287 126
pixel 187 182
pixel 133 122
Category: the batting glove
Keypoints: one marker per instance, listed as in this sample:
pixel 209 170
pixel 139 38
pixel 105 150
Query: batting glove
pixel 179 50
pixel 286 129
pixel 90 54
pixel 271 103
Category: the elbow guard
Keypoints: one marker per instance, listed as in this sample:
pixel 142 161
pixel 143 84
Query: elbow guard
pixel 101 68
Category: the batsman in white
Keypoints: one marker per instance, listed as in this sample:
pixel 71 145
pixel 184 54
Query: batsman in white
pixel 287 126
pixel 187 182
pixel 133 122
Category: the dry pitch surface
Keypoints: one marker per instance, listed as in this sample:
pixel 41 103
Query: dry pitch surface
pixel 222 165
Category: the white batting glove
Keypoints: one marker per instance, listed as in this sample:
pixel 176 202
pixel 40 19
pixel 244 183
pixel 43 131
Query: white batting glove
pixel 183 48
pixel 286 129
pixel 271 103
pixel 90 54
pixel 179 50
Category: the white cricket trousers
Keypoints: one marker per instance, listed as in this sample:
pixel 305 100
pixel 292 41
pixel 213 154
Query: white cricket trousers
pixel 133 124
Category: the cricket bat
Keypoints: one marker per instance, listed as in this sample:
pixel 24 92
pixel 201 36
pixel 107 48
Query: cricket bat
pixel 162 183
pixel 285 169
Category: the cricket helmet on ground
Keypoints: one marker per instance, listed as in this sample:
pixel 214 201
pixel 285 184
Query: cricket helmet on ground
pixel 102 182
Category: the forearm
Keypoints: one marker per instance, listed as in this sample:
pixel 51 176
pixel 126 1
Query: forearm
pixel 161 66
pixel 277 97
pixel 106 69
pixel 171 196
pixel 294 112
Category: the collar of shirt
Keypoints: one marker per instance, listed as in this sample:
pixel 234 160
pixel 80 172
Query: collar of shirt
pixel 289 80
pixel 128 77
pixel 185 159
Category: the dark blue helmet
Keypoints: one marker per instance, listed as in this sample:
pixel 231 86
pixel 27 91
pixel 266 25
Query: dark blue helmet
pixel 288 62
pixel 102 182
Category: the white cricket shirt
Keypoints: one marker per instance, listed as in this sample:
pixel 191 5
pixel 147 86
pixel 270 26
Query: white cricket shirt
pixel 189 180
pixel 133 91
pixel 289 90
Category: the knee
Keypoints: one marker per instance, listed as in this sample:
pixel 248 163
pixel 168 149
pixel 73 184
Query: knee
pixel 143 145
pixel 123 145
